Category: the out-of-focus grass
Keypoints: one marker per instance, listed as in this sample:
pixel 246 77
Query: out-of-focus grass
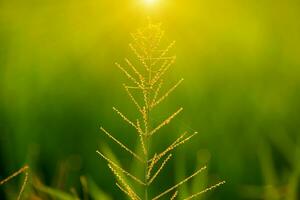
pixel 240 61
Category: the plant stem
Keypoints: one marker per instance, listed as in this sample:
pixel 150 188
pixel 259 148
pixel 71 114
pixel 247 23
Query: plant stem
pixel 147 146
pixel 146 167
pixel 147 136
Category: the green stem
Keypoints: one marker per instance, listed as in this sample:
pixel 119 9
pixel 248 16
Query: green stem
pixel 147 144
pixel 147 137
pixel 146 169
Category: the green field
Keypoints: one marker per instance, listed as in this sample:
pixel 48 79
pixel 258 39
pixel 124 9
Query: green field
pixel 240 61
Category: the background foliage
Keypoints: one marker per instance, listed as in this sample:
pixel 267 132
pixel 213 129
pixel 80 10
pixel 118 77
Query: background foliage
pixel 240 61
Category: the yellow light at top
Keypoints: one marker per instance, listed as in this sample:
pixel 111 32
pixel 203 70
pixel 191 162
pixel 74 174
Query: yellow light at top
pixel 150 2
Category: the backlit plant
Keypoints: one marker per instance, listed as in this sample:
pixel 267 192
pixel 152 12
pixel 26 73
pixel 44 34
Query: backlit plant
pixel 145 92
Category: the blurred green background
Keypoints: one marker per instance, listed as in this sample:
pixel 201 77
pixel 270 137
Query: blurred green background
pixel 240 61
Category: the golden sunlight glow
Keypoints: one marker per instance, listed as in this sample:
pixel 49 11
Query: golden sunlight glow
pixel 150 2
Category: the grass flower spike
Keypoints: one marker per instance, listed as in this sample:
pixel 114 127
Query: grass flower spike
pixel 146 81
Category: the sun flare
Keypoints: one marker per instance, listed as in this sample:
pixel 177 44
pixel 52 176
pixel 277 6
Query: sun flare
pixel 150 2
